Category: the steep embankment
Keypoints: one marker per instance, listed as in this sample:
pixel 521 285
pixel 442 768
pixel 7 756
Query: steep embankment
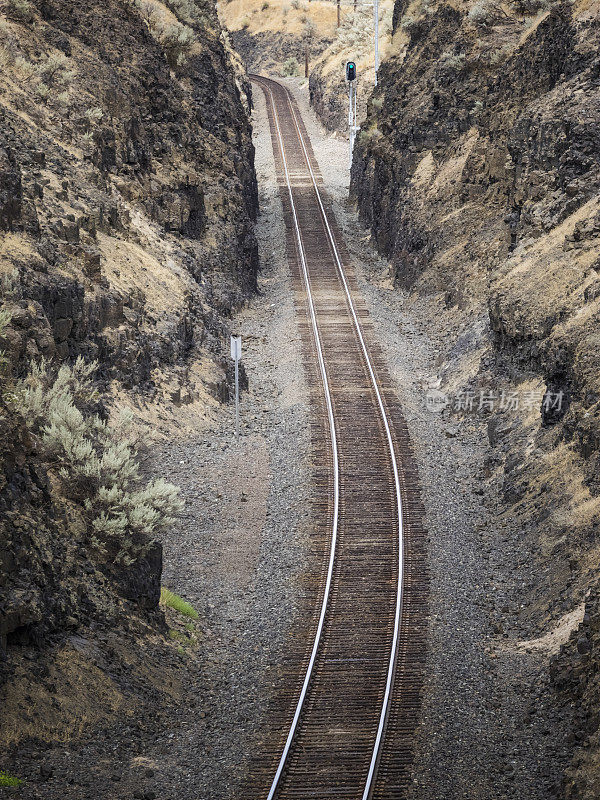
pixel 274 38
pixel 478 173
pixel 127 199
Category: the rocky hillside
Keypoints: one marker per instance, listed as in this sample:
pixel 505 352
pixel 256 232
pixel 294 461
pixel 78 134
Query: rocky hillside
pixel 478 172
pixel 273 38
pixel 127 200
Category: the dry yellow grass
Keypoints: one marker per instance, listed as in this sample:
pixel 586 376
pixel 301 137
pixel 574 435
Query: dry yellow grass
pixel 129 267
pixel 279 17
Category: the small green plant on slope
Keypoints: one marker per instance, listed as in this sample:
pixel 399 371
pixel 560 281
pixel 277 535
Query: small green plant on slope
pixel 96 462
pixel 176 40
pixel 147 12
pixel 42 91
pixel 172 600
pixel 290 67
pixel 55 70
pixel 452 61
pixel 7 780
pixel 24 69
pixel 186 10
pixel 93 116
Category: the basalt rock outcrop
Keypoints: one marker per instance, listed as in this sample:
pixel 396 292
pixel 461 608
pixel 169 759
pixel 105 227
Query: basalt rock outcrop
pixel 127 202
pixel 478 174
pixel 124 166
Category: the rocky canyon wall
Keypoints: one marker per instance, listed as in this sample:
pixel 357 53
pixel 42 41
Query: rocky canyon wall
pixel 478 172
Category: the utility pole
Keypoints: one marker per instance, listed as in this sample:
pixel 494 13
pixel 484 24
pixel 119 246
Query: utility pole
pixel 351 76
pixel 306 61
pixel 338 13
pixel 236 354
pixel 376 22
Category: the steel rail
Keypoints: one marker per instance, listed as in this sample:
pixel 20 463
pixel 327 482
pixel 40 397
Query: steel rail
pixel 336 478
pixel 399 594
pixel 384 418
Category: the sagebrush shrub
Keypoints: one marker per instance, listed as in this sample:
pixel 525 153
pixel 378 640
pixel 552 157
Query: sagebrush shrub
pixel 42 91
pixel 186 10
pixel 93 115
pixel 290 67
pixel 24 69
pixel 452 61
pixel 19 10
pixel 55 69
pixel 177 40
pixel 96 461
pixel 480 12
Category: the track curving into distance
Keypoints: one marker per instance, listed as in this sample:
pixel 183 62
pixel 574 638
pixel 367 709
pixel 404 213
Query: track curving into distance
pixel 349 715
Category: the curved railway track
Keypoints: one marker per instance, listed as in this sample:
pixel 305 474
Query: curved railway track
pixel 348 701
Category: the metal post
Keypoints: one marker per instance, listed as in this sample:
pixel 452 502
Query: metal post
pixel 376 22
pixel 236 354
pixel 237 397
pixel 352 117
pixel 350 122
pixel 306 61
pixel 338 13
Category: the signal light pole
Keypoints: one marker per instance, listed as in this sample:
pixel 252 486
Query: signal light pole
pixel 351 77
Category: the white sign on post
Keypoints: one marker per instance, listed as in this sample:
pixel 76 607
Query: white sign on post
pixel 236 347
pixel 236 354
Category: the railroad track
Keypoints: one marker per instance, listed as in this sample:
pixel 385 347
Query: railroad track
pixel 348 699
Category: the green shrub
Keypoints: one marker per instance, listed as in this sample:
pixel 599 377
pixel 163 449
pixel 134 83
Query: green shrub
pixel 24 69
pixel 309 29
pixel 7 780
pixel 244 23
pixel 63 99
pixel 177 40
pixel 452 61
pixel 290 67
pixel 172 600
pixel 186 10
pixel 147 12
pixel 264 6
pixel 10 288
pixel 96 462
pixel 55 70
pixel 42 91
pixel 477 108
pixel 93 115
